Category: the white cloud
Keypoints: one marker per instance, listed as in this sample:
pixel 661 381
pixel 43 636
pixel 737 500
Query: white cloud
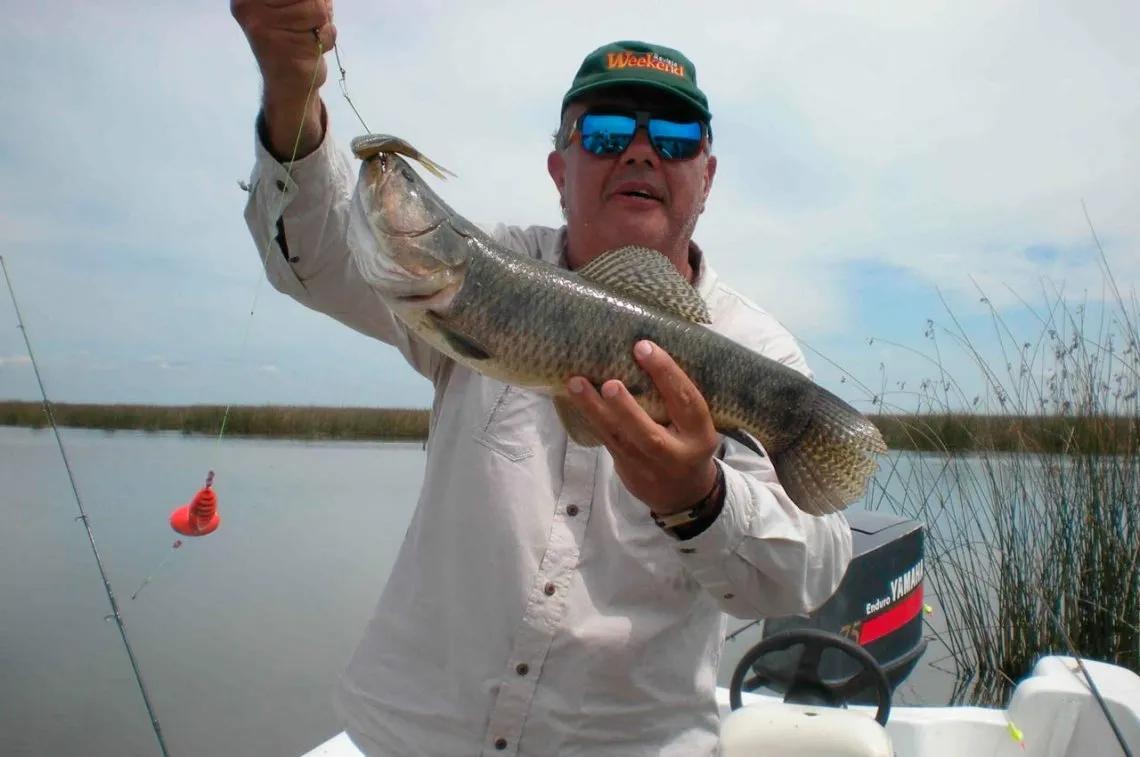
pixel 941 140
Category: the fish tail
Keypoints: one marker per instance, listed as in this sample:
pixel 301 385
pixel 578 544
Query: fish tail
pixel 831 462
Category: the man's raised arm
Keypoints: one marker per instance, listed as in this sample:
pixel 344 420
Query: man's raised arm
pixel 301 187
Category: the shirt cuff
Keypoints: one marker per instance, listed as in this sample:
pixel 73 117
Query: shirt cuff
pixel 289 240
pixel 263 136
pixel 705 556
pixel 278 178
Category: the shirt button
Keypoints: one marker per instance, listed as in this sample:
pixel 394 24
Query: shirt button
pixel 500 744
pixel 522 668
pixel 548 589
pixel 571 510
pixel 687 550
pixel 730 595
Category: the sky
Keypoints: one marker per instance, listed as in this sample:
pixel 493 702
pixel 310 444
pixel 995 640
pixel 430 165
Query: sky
pixel 882 165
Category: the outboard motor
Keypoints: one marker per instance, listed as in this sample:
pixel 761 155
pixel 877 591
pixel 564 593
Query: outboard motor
pixel 879 603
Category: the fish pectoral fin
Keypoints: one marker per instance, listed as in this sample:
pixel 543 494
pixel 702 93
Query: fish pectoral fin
pixel 649 277
pixel 463 345
pixel 743 437
pixel 576 425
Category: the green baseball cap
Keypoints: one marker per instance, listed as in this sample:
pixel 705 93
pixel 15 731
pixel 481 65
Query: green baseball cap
pixel 641 64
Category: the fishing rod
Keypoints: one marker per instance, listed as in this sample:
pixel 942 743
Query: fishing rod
pixel 1089 680
pixel 83 517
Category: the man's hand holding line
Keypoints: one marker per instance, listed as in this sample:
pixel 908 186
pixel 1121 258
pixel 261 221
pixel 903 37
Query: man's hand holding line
pixel 281 36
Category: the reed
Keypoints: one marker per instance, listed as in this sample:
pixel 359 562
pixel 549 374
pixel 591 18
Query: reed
pixel 348 423
pixel 1032 501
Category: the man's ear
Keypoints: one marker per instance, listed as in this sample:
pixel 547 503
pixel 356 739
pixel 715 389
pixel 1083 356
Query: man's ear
pixel 556 167
pixel 710 172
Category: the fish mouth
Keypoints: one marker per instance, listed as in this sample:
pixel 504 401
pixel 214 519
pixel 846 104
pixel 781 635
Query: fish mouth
pixel 407 243
pixel 383 226
pixel 395 200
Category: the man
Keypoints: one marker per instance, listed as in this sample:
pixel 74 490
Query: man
pixel 536 605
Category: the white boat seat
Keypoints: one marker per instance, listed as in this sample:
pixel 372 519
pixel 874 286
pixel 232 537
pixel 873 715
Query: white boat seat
pixel 797 730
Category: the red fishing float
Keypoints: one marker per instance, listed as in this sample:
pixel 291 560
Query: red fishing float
pixel 199 516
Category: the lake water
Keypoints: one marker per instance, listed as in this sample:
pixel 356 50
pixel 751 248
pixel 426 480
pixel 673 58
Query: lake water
pixel 240 635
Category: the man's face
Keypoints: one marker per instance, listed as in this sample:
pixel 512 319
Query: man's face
pixel 601 194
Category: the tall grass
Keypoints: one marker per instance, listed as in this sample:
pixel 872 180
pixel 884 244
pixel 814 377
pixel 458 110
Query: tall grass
pixel 1032 516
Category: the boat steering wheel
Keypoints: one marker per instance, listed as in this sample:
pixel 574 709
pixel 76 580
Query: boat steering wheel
pixel 805 675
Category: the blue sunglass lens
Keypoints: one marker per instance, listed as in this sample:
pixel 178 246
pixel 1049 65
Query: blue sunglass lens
pixel 611 134
pixel 605 134
pixel 675 140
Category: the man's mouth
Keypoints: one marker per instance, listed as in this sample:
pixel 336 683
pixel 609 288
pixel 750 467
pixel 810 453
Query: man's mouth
pixel 639 190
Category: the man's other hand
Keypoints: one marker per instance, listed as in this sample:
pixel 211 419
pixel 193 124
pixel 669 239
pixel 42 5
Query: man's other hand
pixel 669 467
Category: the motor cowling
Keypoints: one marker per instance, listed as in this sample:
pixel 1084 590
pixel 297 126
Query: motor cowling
pixel 879 604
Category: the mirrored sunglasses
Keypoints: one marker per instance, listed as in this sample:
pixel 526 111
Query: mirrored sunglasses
pixel 606 133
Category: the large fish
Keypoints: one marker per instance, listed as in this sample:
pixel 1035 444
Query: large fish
pixel 528 323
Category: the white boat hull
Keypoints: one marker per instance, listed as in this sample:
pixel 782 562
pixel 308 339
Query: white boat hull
pixel 1052 714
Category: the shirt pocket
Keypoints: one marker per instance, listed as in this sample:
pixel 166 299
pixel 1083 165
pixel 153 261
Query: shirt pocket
pixel 508 424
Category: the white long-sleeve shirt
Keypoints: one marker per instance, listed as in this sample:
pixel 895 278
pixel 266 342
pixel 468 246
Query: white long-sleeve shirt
pixel 534 607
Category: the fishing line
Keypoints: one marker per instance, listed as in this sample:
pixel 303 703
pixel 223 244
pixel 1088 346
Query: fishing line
pixel 344 84
pixel 289 182
pixel 83 517
pixel 257 285
pixel 280 210
pixel 150 576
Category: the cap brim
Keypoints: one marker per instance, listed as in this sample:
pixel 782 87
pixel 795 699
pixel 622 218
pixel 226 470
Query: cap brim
pixel 691 102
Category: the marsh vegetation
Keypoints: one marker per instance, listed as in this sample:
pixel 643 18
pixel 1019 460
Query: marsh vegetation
pixel 345 423
pixel 1031 500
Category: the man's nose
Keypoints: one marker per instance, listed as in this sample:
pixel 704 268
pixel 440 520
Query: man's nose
pixel 640 149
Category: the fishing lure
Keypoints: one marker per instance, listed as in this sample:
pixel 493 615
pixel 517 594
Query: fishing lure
pixel 199 516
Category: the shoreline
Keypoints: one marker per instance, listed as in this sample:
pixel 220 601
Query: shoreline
pixel 948 432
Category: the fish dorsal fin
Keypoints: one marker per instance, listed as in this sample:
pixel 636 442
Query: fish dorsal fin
pixel 648 277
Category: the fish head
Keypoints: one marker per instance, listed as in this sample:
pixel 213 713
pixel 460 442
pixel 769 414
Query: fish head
pixel 406 242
